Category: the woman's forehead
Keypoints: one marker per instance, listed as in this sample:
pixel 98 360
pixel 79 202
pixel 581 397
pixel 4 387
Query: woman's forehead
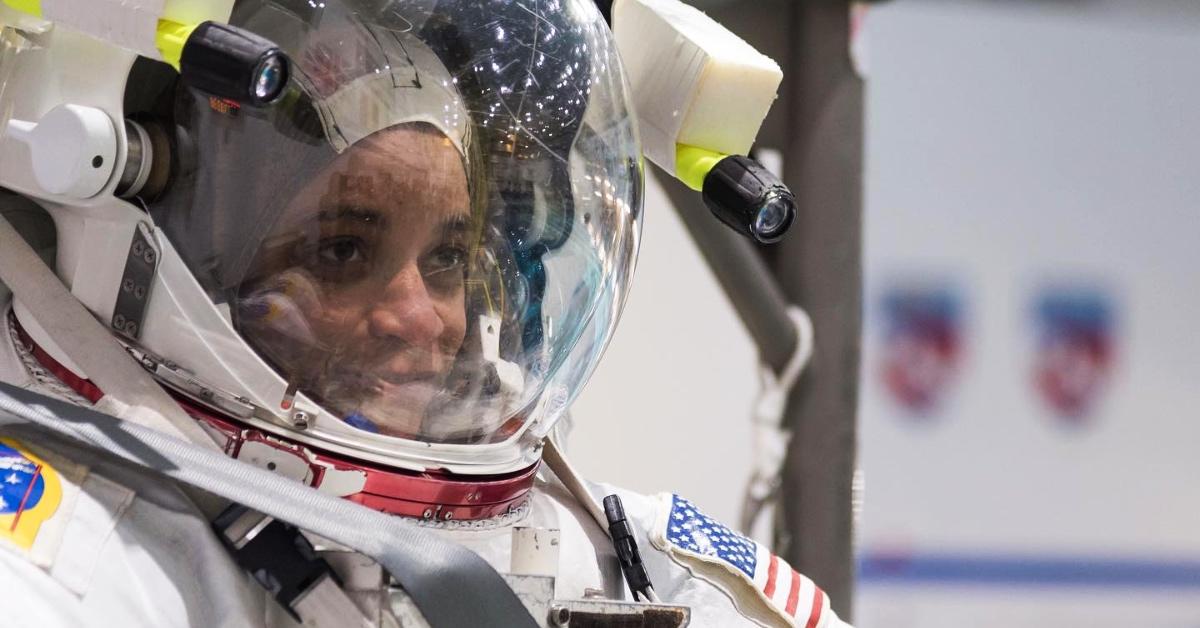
pixel 407 141
pixel 411 152
pixel 402 167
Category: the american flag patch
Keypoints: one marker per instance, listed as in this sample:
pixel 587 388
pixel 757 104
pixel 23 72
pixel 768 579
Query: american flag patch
pixel 687 532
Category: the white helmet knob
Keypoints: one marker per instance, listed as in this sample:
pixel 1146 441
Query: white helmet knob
pixel 73 149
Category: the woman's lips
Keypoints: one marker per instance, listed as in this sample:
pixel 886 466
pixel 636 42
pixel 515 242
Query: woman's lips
pixel 394 378
pixel 400 379
pixel 421 384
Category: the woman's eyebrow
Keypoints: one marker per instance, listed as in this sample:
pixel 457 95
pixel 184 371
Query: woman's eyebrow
pixel 456 225
pixel 355 213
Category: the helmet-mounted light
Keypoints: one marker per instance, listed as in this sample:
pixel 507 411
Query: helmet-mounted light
pixel 739 191
pixel 226 61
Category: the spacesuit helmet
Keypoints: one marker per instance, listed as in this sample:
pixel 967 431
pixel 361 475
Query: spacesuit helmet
pixel 416 254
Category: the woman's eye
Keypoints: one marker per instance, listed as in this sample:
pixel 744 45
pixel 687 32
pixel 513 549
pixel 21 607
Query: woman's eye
pixel 339 259
pixel 445 258
pixel 341 251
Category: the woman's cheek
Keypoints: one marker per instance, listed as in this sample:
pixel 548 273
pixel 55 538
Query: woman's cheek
pixel 340 315
pixel 454 322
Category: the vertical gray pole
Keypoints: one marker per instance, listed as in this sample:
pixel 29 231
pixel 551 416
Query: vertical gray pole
pixel 819 267
pixel 742 273
pixel 818 125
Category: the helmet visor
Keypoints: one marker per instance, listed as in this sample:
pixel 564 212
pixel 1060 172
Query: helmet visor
pixel 429 235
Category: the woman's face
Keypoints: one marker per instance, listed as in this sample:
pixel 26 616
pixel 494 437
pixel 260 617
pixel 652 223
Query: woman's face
pixel 357 295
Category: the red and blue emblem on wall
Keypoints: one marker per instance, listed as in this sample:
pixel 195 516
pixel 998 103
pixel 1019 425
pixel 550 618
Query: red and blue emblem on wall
pixel 1074 355
pixel 922 344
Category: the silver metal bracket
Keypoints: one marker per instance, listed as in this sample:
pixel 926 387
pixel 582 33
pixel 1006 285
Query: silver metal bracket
pixel 537 594
pixel 186 383
pixel 134 292
pixel 615 614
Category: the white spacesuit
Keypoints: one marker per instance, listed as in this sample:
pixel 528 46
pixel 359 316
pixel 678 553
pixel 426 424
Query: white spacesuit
pixel 385 274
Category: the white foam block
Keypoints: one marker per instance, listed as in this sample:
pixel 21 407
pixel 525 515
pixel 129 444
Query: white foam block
pixel 196 11
pixel 132 24
pixel 694 82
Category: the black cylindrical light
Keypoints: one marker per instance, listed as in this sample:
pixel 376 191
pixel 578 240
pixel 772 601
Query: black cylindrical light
pixel 233 63
pixel 749 198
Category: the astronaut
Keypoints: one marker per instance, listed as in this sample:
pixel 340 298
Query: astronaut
pixel 388 283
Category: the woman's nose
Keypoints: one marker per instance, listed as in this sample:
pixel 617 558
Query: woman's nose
pixel 405 310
